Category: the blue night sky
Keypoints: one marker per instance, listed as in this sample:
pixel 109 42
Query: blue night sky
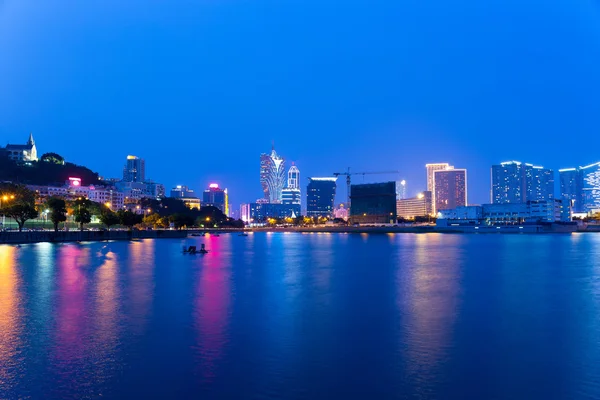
pixel 200 88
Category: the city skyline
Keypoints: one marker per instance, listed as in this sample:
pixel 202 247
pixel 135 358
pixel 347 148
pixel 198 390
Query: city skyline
pixel 395 108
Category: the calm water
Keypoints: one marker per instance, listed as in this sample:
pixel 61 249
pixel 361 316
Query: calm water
pixel 304 316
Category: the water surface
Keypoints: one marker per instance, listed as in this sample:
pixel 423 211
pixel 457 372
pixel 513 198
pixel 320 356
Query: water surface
pixel 304 316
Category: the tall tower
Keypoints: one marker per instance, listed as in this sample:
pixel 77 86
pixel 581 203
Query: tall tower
pixel 272 175
pixel 293 181
pixel 431 168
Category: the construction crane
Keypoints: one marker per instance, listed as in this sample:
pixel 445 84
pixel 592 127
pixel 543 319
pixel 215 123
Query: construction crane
pixel 348 181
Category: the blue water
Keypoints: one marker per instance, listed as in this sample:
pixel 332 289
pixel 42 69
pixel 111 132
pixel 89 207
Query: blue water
pixel 304 316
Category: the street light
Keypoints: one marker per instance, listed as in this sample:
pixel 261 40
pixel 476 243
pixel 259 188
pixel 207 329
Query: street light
pixel 5 198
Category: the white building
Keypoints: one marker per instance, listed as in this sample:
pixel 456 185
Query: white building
pixel 22 152
pixel 509 213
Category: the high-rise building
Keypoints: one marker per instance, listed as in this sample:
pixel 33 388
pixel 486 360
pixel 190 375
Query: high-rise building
pixel 571 189
pixel 450 189
pixel 516 182
pixel 134 170
pixel 272 175
pixel 373 203
pixel 419 206
pixel 320 197
pixel 401 190
pixel 216 197
pixel 590 188
pixel 431 168
pixel 293 181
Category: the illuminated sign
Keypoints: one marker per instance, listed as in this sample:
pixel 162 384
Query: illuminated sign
pixel 213 186
pixel 75 181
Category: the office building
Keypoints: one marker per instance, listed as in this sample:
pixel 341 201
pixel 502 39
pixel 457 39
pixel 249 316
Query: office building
pixel 320 197
pixel 272 176
pixel 181 191
pixel 420 206
pixel 21 152
pixel 186 195
pixel 216 197
pixel 373 203
pixel 134 170
pixel 450 189
pixel 516 182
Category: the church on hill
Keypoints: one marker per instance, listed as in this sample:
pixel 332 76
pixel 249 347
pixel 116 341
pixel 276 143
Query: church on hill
pixel 22 152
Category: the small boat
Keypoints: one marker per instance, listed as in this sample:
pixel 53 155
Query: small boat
pixel 243 234
pixel 196 234
pixel 215 234
pixel 194 250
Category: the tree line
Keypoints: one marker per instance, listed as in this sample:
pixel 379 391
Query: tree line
pixel 19 203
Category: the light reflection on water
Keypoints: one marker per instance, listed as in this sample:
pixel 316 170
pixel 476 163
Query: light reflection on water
pixel 11 314
pixel 303 316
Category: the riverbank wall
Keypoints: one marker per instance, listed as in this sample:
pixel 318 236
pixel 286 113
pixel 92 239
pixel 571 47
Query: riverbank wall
pixel 85 236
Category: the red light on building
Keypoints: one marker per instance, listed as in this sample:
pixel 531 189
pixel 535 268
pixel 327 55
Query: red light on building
pixel 75 181
pixel 213 186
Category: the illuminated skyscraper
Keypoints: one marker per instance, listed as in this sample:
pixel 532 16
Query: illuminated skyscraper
pixel 216 197
pixel 571 189
pixel 450 187
pixel 516 182
pixel 134 170
pixel 291 194
pixel 293 181
pixel 581 187
pixel 272 176
pixel 431 168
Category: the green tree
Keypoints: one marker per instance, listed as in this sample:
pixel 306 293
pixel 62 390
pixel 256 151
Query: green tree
pixel 152 220
pixel 128 218
pixel 81 211
pixel 109 218
pixel 58 211
pixel 18 203
pixel 53 158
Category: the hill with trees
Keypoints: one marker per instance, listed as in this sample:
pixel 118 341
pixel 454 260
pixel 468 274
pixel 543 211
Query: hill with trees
pixel 50 170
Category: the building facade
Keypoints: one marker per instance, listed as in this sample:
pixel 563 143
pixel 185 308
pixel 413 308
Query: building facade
pixel 216 197
pixel 373 203
pixel 261 212
pixel 450 189
pixel 516 182
pixel 320 196
pixel 580 188
pixel 420 206
pixel 272 176
pixel 22 152
pixel 134 170
pixel 431 168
